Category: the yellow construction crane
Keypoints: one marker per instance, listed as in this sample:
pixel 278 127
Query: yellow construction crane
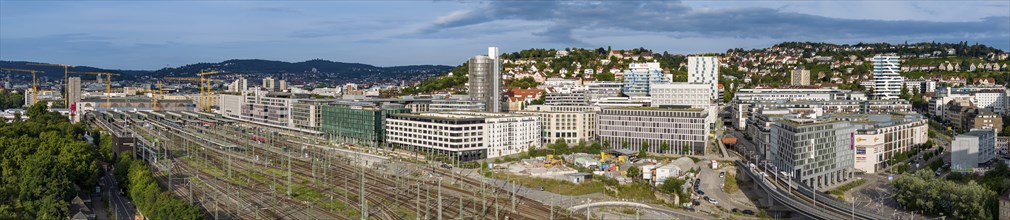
pixel 108 85
pixel 66 91
pixel 155 94
pixel 204 87
pixel 35 82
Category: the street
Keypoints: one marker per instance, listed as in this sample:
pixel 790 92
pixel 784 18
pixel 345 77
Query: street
pixel 119 204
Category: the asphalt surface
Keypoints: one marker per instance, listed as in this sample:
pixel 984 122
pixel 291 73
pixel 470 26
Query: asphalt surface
pixel 120 205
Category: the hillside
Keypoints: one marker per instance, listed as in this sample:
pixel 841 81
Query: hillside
pixel 321 71
pixel 841 65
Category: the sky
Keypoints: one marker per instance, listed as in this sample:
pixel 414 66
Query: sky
pixel 149 35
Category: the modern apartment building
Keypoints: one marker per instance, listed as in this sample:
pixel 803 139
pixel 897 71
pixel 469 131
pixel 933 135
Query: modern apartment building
pixel 573 124
pixel 704 70
pixel 886 81
pixel 972 148
pixel 683 129
pixel 799 77
pixel 358 123
pixel 456 104
pixel 598 90
pixel 815 152
pixel 640 76
pixel 484 80
pixel 881 136
pixel 571 98
pixel 464 136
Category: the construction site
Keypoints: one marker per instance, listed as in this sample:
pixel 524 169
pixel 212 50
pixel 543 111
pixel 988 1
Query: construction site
pixel 235 170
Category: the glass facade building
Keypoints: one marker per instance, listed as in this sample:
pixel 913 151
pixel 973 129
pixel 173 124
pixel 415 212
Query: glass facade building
pixel 357 124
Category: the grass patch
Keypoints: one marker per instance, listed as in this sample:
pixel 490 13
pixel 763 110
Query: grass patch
pixel 840 190
pixel 555 185
pixel 638 191
pixel 730 185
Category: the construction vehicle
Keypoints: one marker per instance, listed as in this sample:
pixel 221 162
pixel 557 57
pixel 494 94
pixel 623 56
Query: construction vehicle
pixel 550 161
pixel 66 72
pixel 35 82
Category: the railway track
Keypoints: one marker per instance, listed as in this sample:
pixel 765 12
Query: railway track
pixel 386 191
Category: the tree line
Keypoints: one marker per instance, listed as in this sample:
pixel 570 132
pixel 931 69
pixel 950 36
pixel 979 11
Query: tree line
pixel 41 160
pixel 143 190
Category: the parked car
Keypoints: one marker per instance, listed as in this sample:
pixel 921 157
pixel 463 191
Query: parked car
pixel 446 166
pixel 735 210
pixel 700 192
pixel 748 212
pixel 722 174
pixel 711 200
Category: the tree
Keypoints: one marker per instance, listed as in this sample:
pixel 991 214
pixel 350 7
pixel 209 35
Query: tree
pixel 686 150
pixel 664 147
pixel 624 145
pixel 904 93
pixel 595 148
pixel 634 172
pixel 674 186
pixel 644 150
pixel 606 144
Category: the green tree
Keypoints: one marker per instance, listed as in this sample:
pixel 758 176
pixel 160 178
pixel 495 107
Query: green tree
pixel 904 93
pixel 686 150
pixel 664 147
pixel 674 186
pixel 644 150
pixel 595 148
pixel 634 172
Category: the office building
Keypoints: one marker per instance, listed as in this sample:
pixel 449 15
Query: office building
pixel 799 77
pixel 972 148
pixel 572 124
pixel 570 98
pixel 459 103
pixel 886 81
pixel 682 94
pixel 746 101
pixel 879 137
pixel 484 80
pixel 598 90
pixel 640 76
pixel 704 70
pixel 274 85
pixel 683 129
pixel 986 119
pixel 464 136
pixel 358 123
pixel 279 110
pixel 815 152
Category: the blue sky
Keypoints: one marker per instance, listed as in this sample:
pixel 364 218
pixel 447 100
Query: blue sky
pixel 154 34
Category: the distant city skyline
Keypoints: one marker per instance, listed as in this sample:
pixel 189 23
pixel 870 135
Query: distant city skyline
pixel 155 34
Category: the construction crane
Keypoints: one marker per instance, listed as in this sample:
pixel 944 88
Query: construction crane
pixel 108 85
pixel 66 91
pixel 155 95
pixel 204 87
pixel 35 82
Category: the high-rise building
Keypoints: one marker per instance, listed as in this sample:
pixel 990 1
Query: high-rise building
pixel 704 70
pixel 818 153
pixel 640 76
pixel 972 148
pixel 484 80
pixel 886 81
pixel 799 77
pixel 239 85
pixel 74 90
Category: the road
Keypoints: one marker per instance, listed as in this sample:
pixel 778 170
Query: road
pixel 120 205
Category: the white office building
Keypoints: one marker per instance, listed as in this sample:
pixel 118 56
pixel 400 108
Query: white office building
pixel 464 136
pixel 682 130
pixel 704 70
pixel 972 148
pixel 879 137
pixel 573 124
pixel 886 81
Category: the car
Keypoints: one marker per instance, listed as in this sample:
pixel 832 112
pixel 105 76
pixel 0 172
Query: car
pixel 748 212
pixel 735 210
pixel 700 192
pixel 446 166
pixel 722 174
pixel 541 188
pixel 711 200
